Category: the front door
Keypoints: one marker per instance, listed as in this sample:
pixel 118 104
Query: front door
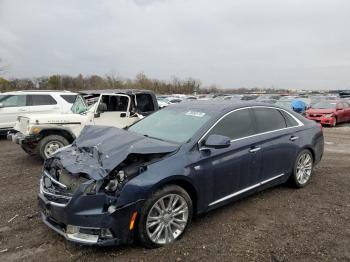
pixel 235 169
pixel 114 110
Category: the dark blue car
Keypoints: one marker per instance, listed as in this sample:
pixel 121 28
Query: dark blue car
pixel 114 185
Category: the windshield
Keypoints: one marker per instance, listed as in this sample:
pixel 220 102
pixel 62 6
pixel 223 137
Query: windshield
pixel 324 105
pixel 171 124
pixel 79 106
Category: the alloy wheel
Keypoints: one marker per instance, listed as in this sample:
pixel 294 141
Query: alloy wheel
pixel 304 168
pixel 167 219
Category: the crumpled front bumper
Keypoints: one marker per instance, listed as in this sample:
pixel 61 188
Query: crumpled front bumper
pixel 85 220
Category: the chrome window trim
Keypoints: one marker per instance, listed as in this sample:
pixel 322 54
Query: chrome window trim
pixel 244 190
pixel 258 134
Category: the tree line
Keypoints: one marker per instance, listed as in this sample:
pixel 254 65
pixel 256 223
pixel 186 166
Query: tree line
pixel 94 82
pixel 113 81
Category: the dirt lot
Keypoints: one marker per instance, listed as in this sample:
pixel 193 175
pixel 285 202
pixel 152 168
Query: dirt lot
pixel 280 224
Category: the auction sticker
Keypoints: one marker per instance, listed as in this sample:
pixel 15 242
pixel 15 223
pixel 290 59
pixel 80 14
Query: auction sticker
pixel 196 114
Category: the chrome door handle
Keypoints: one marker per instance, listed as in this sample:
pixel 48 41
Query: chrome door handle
pixel 255 149
pixel 293 138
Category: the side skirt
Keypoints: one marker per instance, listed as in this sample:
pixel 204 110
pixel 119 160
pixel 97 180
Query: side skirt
pixel 241 192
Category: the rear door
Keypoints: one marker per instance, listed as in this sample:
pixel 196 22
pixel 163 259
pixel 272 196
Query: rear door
pixel 279 141
pixel 12 106
pixel 113 110
pixel 43 104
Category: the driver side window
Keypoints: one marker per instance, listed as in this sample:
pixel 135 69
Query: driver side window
pixel 115 103
pixel 235 125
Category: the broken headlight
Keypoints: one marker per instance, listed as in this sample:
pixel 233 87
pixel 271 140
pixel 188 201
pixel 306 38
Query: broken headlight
pixel 114 183
pixel 90 189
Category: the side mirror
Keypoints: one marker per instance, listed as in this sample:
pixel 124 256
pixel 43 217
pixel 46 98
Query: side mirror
pixel 217 141
pixel 1 105
pixel 102 107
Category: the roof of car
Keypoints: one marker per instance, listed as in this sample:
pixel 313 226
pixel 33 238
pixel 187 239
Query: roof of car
pixel 38 92
pixel 214 106
pixel 115 91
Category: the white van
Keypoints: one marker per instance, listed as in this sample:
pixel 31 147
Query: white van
pixel 14 104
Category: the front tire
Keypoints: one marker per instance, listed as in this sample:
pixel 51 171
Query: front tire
pixel 50 144
pixel 165 216
pixel 303 168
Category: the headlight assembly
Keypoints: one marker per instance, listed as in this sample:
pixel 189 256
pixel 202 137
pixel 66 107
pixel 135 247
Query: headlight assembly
pixel 90 189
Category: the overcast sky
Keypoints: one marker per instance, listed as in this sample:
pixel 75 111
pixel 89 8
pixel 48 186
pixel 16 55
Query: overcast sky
pixel 231 43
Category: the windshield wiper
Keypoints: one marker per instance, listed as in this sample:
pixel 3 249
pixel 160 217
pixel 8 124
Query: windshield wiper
pixel 153 137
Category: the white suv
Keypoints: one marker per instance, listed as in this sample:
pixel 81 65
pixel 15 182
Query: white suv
pixel 14 104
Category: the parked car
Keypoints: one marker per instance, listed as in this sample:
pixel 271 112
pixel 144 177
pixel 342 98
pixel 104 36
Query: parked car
pixel 45 134
pixel 329 112
pixel 14 104
pixel 146 182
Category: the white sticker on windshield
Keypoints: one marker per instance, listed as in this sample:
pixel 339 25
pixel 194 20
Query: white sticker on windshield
pixel 193 113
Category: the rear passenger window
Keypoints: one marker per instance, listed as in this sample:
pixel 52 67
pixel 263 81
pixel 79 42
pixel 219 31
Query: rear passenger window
pixel 269 119
pixel 236 125
pixel 69 98
pixel 41 100
pixel 290 121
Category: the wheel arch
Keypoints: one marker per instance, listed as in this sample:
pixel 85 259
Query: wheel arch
pixel 184 183
pixel 56 131
pixel 313 153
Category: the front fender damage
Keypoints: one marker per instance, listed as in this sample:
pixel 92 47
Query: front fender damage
pixel 108 155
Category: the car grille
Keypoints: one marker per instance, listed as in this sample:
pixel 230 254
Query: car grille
pixel 23 124
pixel 58 186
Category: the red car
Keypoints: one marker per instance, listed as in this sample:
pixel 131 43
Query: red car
pixel 329 112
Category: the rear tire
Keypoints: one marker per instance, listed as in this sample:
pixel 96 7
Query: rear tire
pixel 50 144
pixel 166 214
pixel 302 170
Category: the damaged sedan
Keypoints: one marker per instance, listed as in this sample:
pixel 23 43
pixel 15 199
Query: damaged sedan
pixel 146 182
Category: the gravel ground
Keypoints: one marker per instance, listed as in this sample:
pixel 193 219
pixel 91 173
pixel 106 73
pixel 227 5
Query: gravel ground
pixel 279 224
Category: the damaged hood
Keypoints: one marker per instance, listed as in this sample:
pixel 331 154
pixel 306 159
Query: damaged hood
pixel 98 150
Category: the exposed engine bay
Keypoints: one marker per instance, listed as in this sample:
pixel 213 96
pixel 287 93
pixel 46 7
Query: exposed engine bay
pixel 132 166
pixel 57 180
